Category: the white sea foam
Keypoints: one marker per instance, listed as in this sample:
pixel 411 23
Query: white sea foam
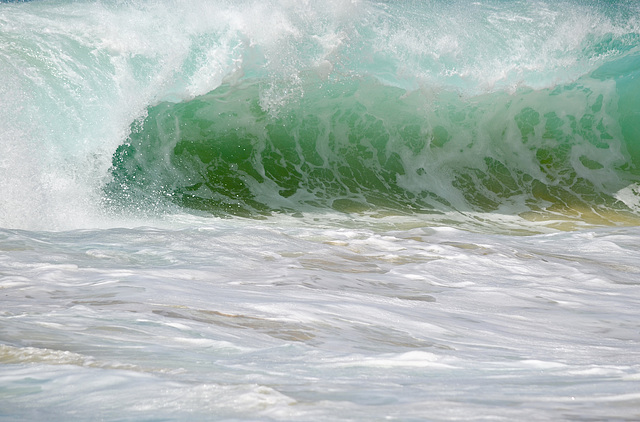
pixel 251 320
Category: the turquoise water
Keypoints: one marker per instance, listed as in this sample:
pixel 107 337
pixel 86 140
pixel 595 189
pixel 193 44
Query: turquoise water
pixel 519 108
pixel 401 127
pixel 342 210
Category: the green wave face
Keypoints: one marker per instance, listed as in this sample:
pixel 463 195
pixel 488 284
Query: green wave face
pixel 355 144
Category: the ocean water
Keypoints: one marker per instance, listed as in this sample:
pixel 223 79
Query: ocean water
pixel 290 210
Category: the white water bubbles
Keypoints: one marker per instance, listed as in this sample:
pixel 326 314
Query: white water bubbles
pixel 286 319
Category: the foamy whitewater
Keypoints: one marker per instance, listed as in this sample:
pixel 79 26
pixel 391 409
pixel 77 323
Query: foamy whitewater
pixel 313 211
